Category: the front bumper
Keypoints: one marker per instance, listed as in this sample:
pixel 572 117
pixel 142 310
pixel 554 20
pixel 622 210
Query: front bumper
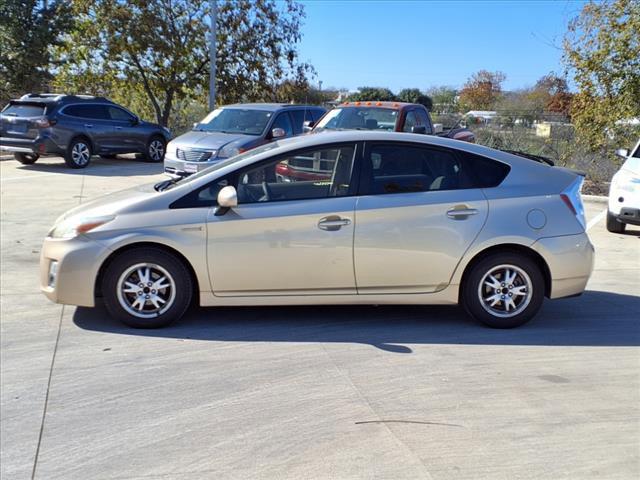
pixel 39 146
pixel 176 167
pixel 78 261
pixel 570 260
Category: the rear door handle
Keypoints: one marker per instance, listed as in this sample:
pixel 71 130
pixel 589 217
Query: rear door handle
pixel 333 223
pixel 88 125
pixel 118 128
pixel 461 213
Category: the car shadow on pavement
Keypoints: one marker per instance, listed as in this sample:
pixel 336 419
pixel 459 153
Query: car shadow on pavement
pixel 99 167
pixel 594 319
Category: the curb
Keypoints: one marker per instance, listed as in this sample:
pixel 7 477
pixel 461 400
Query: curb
pixel 6 157
pixel 595 199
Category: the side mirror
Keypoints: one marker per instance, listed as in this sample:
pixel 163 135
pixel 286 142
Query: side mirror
pixel 419 129
pixel 135 121
pixel 227 198
pixel 306 129
pixel 307 126
pixel 194 126
pixel 278 133
pixel 622 152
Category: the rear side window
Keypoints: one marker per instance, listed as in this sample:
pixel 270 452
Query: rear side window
pixel 393 168
pixel 488 173
pixel 98 112
pixel 24 110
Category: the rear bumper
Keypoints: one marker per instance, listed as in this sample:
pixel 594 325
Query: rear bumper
pixel 39 146
pixel 570 260
pixel 628 215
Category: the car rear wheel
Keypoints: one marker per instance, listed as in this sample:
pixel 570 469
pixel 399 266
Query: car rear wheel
pixel 613 225
pixel 155 149
pixel 147 288
pixel 26 158
pixel 78 153
pixel 504 290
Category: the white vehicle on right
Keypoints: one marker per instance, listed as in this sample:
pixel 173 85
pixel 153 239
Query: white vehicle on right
pixel 624 193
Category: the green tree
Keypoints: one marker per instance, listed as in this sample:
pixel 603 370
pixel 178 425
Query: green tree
pixel 122 48
pixel 27 29
pixel 414 95
pixel 372 94
pixel 444 98
pixel 602 50
pixel 482 90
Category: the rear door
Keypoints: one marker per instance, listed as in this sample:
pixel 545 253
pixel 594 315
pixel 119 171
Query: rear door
pixel 417 215
pixel 92 120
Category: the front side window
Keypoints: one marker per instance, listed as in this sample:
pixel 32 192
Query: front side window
pixel 235 120
pixel 394 168
pixel 317 173
pixel 359 118
pixel 119 114
pixel 410 121
pixel 299 117
pixel 283 121
pixel 423 119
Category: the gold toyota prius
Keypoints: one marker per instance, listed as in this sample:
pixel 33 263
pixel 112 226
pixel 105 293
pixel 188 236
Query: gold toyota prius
pixel 349 217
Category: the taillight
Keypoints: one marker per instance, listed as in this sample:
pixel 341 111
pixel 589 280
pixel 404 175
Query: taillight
pixel 573 200
pixel 44 122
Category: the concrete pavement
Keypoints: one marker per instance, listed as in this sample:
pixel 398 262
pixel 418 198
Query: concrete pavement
pixel 308 392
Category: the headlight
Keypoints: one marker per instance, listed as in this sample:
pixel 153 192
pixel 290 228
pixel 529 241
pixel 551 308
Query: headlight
pixel 228 151
pixel 78 225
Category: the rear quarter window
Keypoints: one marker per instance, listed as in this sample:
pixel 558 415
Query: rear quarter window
pixel 488 173
pixel 24 110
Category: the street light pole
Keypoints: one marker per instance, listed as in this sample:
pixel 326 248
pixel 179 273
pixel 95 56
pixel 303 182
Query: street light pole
pixel 212 56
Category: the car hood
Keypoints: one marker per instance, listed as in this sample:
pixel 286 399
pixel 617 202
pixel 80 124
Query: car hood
pixel 112 203
pixel 209 140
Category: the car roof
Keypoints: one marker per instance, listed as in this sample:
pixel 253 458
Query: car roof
pixel 55 98
pixel 272 107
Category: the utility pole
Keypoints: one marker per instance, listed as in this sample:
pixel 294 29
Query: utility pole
pixel 212 56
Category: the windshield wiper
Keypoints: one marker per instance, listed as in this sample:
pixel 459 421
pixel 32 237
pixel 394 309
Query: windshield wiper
pixel 531 156
pixel 165 184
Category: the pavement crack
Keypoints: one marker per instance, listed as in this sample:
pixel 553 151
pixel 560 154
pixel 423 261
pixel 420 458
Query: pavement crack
pixel 46 397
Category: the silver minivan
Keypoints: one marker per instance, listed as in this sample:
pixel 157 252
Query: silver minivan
pixel 233 129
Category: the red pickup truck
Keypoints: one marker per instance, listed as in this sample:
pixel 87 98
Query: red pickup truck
pixel 391 116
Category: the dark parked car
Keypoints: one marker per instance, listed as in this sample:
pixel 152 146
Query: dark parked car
pixel 76 127
pixel 233 129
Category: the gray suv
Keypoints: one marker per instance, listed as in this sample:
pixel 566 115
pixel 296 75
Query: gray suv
pixel 233 129
pixel 76 127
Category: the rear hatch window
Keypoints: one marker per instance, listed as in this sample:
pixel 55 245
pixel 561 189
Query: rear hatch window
pixel 24 110
pixel 18 120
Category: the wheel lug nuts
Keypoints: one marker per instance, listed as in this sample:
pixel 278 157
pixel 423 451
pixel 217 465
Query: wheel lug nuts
pixel 153 291
pixel 140 292
pixel 149 284
pixel 141 285
pixel 503 284
pixel 510 294
pixel 146 296
pixel 502 297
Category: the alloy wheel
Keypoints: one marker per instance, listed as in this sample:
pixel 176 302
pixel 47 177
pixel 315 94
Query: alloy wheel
pixel 505 291
pixel 156 150
pixel 80 154
pixel 146 290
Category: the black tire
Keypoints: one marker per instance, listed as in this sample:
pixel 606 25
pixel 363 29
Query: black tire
pixel 26 158
pixel 78 154
pixel 156 148
pixel 109 156
pixel 613 225
pixel 496 263
pixel 177 296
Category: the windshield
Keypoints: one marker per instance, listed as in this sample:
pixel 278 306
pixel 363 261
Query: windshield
pixel 235 120
pixel 359 118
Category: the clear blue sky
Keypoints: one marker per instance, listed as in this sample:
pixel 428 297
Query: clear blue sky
pixel 401 44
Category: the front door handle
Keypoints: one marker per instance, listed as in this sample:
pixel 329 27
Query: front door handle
pixel 461 212
pixel 333 223
pixel 118 128
pixel 88 125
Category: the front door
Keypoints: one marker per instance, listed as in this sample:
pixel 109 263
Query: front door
pixel 292 231
pixel 418 216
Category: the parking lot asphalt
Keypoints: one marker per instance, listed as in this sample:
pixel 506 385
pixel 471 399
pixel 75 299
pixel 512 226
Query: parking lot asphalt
pixel 394 392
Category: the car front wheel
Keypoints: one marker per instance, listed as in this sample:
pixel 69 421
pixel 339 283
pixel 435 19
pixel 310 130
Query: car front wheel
pixel 504 290
pixel 147 288
pixel 613 225
pixel 26 158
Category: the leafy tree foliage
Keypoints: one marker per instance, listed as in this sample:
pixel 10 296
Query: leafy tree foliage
pixel 27 29
pixel 122 47
pixel 602 49
pixel 372 93
pixel 444 98
pixel 482 90
pixel 414 95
